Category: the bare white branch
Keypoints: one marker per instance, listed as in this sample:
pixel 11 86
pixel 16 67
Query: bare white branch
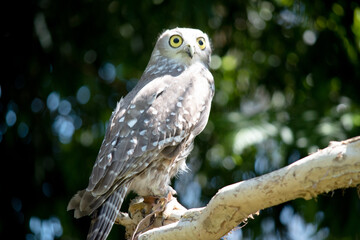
pixel 337 166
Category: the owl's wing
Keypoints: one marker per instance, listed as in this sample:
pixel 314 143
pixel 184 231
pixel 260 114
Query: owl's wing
pixel 159 116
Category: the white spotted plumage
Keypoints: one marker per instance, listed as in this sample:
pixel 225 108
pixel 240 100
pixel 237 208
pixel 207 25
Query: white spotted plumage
pixel 151 131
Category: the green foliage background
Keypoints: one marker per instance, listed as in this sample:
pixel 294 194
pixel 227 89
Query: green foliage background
pixel 287 82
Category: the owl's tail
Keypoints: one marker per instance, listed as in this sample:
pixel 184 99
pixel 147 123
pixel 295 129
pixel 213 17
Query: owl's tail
pixel 105 216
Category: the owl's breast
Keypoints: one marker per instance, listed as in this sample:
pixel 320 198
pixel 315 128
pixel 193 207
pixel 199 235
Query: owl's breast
pixel 199 96
pixel 155 179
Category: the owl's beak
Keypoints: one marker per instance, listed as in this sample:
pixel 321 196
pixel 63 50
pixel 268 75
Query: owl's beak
pixel 189 50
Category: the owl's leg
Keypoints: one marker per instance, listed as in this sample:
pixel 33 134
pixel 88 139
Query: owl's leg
pixel 158 203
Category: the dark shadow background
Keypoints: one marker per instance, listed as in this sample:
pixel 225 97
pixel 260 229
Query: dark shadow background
pixel 287 82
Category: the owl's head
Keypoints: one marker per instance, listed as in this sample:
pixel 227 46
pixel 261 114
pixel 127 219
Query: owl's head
pixel 184 45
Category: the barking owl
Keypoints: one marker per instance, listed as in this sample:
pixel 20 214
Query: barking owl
pixel 151 131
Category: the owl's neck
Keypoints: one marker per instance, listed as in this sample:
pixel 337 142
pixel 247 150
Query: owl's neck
pixel 160 65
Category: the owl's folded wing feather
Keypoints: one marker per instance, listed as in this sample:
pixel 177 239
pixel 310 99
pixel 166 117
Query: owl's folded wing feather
pixel 160 116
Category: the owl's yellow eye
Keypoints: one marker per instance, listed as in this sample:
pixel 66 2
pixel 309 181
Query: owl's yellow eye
pixel 201 42
pixel 175 41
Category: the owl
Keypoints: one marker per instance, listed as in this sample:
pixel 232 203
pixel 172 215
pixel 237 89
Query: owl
pixel 152 130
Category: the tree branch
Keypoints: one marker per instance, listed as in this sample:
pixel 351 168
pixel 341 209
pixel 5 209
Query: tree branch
pixel 337 166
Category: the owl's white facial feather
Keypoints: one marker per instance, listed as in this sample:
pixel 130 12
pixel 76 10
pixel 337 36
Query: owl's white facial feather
pixel 188 52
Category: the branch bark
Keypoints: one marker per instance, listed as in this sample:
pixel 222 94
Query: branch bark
pixel 337 166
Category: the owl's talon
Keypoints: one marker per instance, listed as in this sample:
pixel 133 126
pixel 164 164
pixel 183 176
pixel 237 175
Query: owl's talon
pixel 172 191
pixel 173 210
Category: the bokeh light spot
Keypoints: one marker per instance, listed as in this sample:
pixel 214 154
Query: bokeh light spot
pixel 83 95
pixel 42 31
pixel 126 30
pixel 45 229
pixel 274 61
pixel 256 20
pixel 64 107
pixel 86 138
pixel 64 128
pixel 259 56
pixel 309 37
pixel 53 101
pixel 23 130
pixel 228 163
pixel 37 105
pixel 107 72
pixel 287 135
pixel 76 120
pixel 10 118
pixel 338 9
pixel 90 56
pixel 215 62
pixel 229 63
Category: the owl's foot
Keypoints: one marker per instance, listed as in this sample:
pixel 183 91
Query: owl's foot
pixel 172 212
pixel 171 191
pixel 168 208
pixel 150 212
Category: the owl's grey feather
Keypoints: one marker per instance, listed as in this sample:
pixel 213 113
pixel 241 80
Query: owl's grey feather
pixel 151 131
pixel 105 217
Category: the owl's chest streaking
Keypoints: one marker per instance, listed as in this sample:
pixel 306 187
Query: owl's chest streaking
pixel 181 114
